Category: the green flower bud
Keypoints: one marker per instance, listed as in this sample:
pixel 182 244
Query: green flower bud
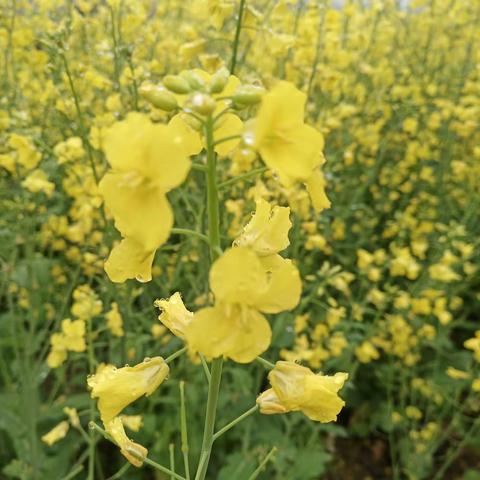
pixel 202 103
pixel 159 97
pixel 195 81
pixel 176 84
pixel 247 95
pixel 219 80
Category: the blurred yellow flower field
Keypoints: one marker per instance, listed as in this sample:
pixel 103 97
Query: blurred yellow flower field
pixel 239 239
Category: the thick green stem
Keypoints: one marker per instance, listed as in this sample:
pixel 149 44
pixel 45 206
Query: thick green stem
pixel 214 238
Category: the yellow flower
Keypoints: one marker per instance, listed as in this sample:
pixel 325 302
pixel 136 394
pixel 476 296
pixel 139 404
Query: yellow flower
pixel 457 374
pixel 127 260
pixel 74 335
pixel 57 433
pixel 133 452
pixel 115 321
pixel 58 351
pixel 116 388
pixel 26 155
pixel 297 388
pixel 37 181
pixel 244 285
pixel 147 160
pixel 72 416
pixel 292 149
pixel 174 314
pixel 267 231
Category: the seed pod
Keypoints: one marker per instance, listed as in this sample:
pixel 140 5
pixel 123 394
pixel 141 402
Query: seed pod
pixel 159 97
pixel 219 80
pixel 247 95
pixel 176 84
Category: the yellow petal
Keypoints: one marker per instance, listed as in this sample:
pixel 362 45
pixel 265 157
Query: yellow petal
pixel 186 135
pixel 153 152
pixel 127 260
pixel 267 231
pixel 133 452
pixel 284 285
pixel 238 277
pixel 141 212
pixel 316 189
pixel 228 125
pixel 239 333
pixel 57 433
pixel 174 314
pixel 116 388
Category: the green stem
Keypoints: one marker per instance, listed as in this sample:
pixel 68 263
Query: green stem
pixel 257 472
pixel 176 354
pixel 230 425
pixel 171 449
pixel 205 368
pixel 268 365
pixel 236 40
pixel 192 233
pixel 184 431
pixel 91 435
pixel 214 237
pixel 245 176
pixel 95 428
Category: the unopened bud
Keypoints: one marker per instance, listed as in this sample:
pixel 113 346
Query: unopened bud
pixel 202 103
pixel 159 97
pixel 194 80
pixel 176 84
pixel 219 80
pixel 247 95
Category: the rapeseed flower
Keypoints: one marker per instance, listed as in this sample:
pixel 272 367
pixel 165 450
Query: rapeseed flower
pixel 297 388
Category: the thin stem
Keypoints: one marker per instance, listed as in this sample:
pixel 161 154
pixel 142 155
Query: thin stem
pixel 83 130
pixel 120 472
pixel 214 237
pixel 205 367
pixel 226 139
pixel 257 472
pixel 245 176
pixel 268 365
pixel 94 427
pixel 176 354
pixel 91 433
pixel 236 40
pixel 184 431
pixel 192 233
pixel 230 425
pixel 171 449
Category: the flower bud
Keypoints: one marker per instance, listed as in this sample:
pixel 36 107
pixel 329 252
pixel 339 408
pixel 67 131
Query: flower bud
pixel 176 84
pixel 159 97
pixel 202 103
pixel 246 95
pixel 194 80
pixel 219 80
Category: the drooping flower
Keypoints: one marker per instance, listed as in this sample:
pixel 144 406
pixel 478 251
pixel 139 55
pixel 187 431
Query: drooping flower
pixel 292 149
pixel 297 388
pixel 116 389
pixel 174 314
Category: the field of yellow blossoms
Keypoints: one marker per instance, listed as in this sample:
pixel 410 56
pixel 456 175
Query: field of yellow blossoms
pixel 239 239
